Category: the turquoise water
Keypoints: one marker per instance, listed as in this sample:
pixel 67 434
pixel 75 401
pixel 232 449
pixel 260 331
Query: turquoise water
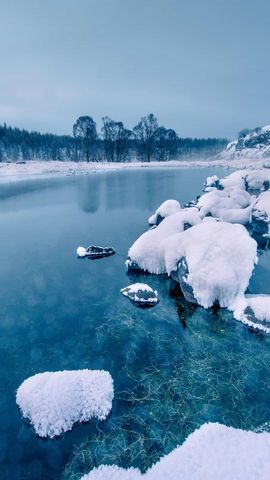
pixel 175 366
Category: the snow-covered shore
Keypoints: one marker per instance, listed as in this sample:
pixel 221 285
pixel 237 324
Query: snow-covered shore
pixel 21 171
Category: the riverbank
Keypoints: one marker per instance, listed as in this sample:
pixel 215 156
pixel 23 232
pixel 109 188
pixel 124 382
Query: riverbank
pixel 21 171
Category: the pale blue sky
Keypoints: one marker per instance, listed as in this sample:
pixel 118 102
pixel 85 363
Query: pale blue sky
pixel 202 66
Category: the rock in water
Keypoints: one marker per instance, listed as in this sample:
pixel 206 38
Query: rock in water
pixel 93 252
pixel 141 294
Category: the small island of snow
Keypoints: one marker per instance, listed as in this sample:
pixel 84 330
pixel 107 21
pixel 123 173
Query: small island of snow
pixel 54 401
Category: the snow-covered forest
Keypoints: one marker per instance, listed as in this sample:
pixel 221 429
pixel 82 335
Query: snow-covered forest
pixel 114 143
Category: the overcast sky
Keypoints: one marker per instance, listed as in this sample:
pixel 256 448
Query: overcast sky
pixel 202 66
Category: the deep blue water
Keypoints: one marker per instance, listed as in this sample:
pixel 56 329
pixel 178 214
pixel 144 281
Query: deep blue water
pixel 174 366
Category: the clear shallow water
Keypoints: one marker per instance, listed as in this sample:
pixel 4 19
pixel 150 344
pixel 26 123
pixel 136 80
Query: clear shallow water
pixel 174 366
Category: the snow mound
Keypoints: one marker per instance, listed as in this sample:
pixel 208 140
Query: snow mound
pixel 219 257
pixel 148 252
pixel 55 401
pixel 167 208
pixel 141 293
pixel 213 452
pixel 247 179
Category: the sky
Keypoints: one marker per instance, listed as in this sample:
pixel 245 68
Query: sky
pixel 202 66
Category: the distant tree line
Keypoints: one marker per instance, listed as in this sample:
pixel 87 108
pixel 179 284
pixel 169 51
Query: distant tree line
pixel 115 143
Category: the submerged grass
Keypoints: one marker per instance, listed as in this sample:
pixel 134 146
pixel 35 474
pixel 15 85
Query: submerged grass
pixel 171 378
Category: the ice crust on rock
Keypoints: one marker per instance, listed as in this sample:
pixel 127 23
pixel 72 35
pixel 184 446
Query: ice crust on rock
pixel 167 208
pixel 141 293
pixel 253 311
pixel 55 401
pixel 213 452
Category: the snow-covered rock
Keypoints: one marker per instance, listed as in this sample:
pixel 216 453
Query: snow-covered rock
pixel 148 252
pixel 247 179
pixel 254 311
pixel 213 452
pixel 167 208
pixel 217 202
pixel 94 252
pixel 254 144
pixel 55 401
pixel 141 293
pixel 219 258
pixel 262 205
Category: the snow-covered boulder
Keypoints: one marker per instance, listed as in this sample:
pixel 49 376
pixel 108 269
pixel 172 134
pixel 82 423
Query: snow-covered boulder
pixel 219 258
pixel 218 202
pixel 213 452
pixel 262 205
pixel 167 208
pixel 148 252
pixel 254 311
pixel 55 401
pixel 141 293
pixel 250 180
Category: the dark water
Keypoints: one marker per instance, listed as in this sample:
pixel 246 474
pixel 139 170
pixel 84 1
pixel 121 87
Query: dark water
pixel 174 366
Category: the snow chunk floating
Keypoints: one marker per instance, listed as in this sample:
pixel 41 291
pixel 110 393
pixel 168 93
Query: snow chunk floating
pixel 167 208
pixel 55 401
pixel 141 294
pixel 93 252
pixel 213 452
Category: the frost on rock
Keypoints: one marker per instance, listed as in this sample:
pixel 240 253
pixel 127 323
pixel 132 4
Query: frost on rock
pixel 55 401
pixel 213 452
pixel 167 208
pixel 141 293
pixel 219 258
pixel 148 252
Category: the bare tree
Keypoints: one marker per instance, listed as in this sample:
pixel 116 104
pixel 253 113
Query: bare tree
pixel 116 140
pixel 85 131
pixel 144 132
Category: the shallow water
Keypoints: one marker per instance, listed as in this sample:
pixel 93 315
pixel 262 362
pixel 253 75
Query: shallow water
pixel 174 366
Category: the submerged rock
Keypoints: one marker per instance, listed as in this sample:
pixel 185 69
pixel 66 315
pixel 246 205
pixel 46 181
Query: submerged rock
pixel 93 252
pixel 141 293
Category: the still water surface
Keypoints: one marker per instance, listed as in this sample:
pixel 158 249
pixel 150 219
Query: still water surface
pixel 174 366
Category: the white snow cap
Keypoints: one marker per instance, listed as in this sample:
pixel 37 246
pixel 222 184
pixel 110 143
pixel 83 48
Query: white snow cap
pixel 81 252
pixel 149 249
pixel 140 293
pixel 55 401
pixel 166 209
pixel 259 306
pixel 213 452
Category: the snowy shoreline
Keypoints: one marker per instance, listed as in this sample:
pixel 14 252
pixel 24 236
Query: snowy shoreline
pixel 10 172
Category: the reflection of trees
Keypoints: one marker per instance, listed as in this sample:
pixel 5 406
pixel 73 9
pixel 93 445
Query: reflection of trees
pixel 89 193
